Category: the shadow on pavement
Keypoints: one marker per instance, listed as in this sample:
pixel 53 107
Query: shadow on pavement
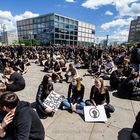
pixel 124 134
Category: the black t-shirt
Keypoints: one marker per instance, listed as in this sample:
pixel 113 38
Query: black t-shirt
pixel 17 79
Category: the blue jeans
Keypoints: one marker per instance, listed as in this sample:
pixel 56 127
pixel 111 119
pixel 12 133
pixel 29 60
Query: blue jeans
pixel 79 106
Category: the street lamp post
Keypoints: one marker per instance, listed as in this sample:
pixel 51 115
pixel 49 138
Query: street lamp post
pixel 30 36
pixel 107 40
pixel 3 27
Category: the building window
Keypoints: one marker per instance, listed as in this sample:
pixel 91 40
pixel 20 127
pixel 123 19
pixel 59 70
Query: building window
pixel 62 19
pixel 52 17
pixel 56 18
pixel 56 35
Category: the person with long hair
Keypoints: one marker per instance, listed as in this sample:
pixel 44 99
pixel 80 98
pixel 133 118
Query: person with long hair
pixel 43 91
pixel 99 95
pixel 74 101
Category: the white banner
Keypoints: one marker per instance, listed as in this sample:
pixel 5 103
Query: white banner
pixel 53 101
pixel 95 114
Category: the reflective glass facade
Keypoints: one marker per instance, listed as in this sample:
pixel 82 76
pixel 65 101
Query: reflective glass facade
pixel 56 29
pixel 134 31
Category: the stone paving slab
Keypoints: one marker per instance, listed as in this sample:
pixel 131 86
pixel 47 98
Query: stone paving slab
pixel 66 126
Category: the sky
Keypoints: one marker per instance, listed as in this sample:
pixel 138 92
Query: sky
pixel 111 17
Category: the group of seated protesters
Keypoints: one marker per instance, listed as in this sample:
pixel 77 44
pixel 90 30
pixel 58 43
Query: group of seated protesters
pixel 74 102
pixel 124 79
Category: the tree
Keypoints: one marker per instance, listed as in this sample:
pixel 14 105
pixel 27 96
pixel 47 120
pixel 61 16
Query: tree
pixel 29 42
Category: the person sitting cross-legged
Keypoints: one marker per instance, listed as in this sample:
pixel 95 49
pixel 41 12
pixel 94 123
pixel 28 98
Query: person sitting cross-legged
pixel 43 91
pixel 74 102
pixel 99 95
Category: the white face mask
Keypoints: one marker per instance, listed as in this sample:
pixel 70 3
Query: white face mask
pixel 98 84
pixel 74 82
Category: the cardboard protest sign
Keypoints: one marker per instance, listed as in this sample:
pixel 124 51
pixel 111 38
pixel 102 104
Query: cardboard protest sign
pixel 53 101
pixel 95 114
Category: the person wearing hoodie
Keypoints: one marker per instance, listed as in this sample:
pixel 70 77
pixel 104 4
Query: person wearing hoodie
pixel 26 123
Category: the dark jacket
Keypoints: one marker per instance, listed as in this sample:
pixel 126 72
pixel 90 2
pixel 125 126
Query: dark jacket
pixel 135 56
pixel 136 126
pixel 127 88
pixel 115 79
pixel 40 97
pixel 18 82
pixel 75 96
pixel 27 123
pixel 99 98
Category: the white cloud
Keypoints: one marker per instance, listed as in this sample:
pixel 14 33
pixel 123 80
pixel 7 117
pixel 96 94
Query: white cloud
pixel 124 7
pixel 70 0
pixel 128 7
pixel 7 19
pixel 119 35
pixel 108 13
pixel 95 4
pixel 116 23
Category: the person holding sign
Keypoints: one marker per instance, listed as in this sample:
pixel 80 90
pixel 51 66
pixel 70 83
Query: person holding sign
pixel 43 91
pixel 74 102
pixel 99 95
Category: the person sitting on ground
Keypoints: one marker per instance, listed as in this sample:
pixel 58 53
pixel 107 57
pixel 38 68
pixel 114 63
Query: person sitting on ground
pixel 44 90
pixel 94 69
pixel 116 77
pixel 2 87
pixel 99 95
pixel 135 134
pixel 16 81
pixel 127 69
pixel 48 65
pixel 20 67
pixel 74 101
pixel 130 87
pixel 57 73
pixel 71 73
pixel 5 122
pixel 26 123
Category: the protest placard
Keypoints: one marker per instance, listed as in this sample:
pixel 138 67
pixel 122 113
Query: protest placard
pixel 95 114
pixel 53 101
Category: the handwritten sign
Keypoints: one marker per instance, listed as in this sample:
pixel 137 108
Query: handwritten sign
pixel 53 101
pixel 95 114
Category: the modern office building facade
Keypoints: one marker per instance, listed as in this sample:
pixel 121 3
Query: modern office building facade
pixel 134 31
pixel 56 29
pixel 8 37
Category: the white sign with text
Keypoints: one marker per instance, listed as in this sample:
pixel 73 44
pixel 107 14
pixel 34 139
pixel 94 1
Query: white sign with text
pixel 53 101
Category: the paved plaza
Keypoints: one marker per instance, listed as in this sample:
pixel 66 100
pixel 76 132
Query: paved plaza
pixel 66 126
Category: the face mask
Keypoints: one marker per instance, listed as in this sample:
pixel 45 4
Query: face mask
pixel 74 83
pixel 49 81
pixel 97 85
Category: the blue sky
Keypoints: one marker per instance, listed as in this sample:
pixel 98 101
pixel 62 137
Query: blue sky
pixel 111 17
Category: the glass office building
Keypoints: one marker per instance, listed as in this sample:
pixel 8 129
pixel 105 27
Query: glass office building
pixel 56 29
pixel 134 31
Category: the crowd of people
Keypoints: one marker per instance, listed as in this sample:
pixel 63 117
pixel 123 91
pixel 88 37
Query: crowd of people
pixel 120 66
